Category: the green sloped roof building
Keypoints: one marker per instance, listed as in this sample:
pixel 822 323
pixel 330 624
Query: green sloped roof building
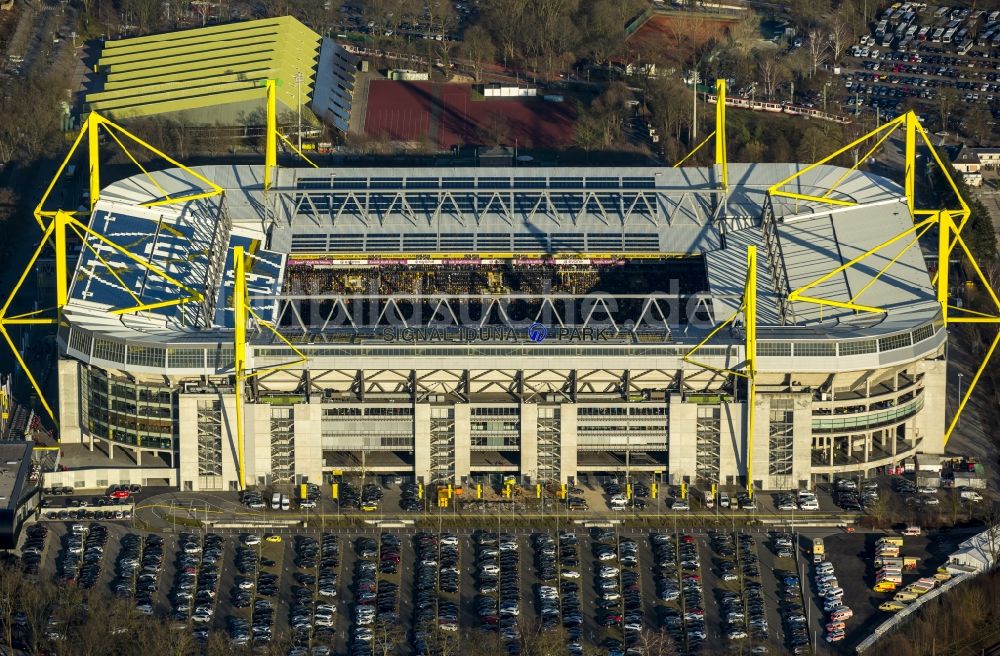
pixel 207 75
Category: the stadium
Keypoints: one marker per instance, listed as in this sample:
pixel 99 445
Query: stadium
pixel 458 324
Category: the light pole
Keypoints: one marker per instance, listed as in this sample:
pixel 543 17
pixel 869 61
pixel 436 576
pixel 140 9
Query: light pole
pixel 298 94
pixel 694 106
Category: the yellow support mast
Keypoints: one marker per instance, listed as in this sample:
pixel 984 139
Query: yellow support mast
pixel 721 159
pixel 750 321
pixel 748 307
pixel 271 138
pixel 240 317
pixel 719 134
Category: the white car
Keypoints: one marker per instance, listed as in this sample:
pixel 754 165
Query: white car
pixel 926 489
pixel 809 505
pixel 490 569
pixel 569 574
pixel 607 572
pixel 251 540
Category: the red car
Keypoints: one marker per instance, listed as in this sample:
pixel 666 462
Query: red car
pixel 119 494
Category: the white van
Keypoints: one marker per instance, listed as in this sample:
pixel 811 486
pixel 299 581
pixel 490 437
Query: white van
pixel 276 501
pixel 286 504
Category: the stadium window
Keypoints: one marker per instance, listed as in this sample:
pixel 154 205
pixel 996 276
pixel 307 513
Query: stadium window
pixel 638 183
pixel 603 183
pixel 494 183
pixel 894 342
pixel 81 341
pixel 529 183
pixel 815 349
pixel 386 183
pixel 458 183
pixel 348 183
pixel 146 356
pixel 110 350
pixel 858 348
pixel 774 349
pixel 566 183
pixel 186 358
pixel 423 183
pixel 922 333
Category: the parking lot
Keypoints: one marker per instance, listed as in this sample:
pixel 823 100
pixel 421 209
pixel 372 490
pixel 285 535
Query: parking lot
pixel 353 592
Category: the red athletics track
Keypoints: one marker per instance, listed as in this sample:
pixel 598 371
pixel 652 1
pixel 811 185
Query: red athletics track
pixel 414 111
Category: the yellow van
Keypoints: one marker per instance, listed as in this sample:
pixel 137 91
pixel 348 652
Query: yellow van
pixel 891 606
pixel 885 586
pixel 905 596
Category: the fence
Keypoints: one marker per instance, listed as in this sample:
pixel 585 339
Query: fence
pixel 896 620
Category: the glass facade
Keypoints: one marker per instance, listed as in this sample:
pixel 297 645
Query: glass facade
pixel 140 415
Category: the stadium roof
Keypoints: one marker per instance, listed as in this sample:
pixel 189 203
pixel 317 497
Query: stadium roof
pixel 812 238
pixel 194 70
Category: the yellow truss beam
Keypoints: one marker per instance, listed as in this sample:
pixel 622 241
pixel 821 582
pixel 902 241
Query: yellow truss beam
pixel 748 307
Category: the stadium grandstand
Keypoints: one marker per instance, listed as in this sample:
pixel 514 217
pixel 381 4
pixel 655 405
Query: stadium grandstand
pixel 216 74
pixel 456 324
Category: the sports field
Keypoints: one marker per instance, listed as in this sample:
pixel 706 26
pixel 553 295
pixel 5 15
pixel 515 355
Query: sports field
pixel 449 114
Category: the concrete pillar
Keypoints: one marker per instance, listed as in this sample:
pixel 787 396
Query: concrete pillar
pixel 308 442
pixel 138 457
pixel 257 426
pixel 111 450
pixel 802 439
pixel 930 421
pixel 529 440
pixel 567 442
pixel 833 446
pixel 422 441
pixel 868 447
pixel 733 442
pixel 187 450
pixel 68 372
pixel 682 445
pixel 463 441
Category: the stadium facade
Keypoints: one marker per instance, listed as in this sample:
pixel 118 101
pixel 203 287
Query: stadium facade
pixel 536 322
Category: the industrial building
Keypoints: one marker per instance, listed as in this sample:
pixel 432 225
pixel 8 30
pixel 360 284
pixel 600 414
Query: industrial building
pixel 454 324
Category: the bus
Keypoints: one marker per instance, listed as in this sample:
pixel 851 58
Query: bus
pixel 948 35
pixel 936 37
pixel 965 48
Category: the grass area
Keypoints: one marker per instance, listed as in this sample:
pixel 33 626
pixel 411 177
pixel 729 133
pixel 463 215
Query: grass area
pixel 182 521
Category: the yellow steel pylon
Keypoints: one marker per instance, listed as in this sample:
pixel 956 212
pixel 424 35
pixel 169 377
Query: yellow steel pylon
pixel 719 133
pixel 92 130
pixel 272 136
pixel 748 307
pixel 948 221
pixel 242 313
pixel 56 223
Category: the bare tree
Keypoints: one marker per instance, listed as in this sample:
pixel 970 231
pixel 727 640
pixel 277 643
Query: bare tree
pixel 840 36
pixel 477 47
pixel 818 47
pixel 772 72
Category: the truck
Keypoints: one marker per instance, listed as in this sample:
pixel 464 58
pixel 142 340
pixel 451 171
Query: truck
pixel 818 550
pixel 904 562
pixel 890 539
pixel 911 530
pixel 884 586
pixel 887 551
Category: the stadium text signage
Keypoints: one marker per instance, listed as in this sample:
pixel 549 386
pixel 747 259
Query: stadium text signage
pixel 536 333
